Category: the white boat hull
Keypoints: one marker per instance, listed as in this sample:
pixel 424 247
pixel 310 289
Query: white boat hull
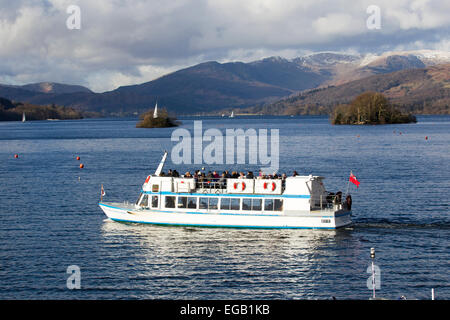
pixel 318 220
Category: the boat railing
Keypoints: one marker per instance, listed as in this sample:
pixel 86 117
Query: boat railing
pixel 221 183
pixel 329 202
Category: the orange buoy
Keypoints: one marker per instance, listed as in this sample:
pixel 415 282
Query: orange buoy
pixel 78 158
pixel 16 156
pixel 81 166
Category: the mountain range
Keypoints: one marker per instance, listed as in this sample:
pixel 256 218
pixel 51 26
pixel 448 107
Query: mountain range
pixel 212 86
pixel 423 90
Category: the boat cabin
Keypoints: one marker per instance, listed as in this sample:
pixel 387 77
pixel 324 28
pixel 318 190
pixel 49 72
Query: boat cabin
pixel 254 196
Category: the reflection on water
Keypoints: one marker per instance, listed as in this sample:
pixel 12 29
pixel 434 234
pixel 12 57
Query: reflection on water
pixel 240 262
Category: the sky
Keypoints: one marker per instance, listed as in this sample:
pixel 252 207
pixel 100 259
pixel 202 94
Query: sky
pixel 104 44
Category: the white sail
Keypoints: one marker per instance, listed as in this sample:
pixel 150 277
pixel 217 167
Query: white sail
pixel 155 113
pixel 23 117
pixel 232 114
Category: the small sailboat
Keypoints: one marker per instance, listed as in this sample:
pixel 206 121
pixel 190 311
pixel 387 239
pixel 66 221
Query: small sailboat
pixel 155 112
pixel 23 117
pixel 232 114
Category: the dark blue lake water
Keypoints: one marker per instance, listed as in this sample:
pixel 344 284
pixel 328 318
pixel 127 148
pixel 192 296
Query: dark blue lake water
pixel 50 218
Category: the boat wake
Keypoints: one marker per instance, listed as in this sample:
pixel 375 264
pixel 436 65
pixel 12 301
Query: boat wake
pixel 392 224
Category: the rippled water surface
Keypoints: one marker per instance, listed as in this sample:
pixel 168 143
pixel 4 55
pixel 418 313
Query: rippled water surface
pixel 50 218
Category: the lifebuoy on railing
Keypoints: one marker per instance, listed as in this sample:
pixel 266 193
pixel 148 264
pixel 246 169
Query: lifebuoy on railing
pixel 243 186
pixel 235 185
pixel 274 186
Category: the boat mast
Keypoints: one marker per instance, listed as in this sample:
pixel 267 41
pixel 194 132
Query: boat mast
pixel 161 164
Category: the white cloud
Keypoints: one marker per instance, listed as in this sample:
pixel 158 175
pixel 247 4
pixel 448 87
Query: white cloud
pixel 124 42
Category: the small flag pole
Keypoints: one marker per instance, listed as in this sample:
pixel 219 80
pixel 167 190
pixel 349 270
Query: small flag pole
pixel 348 183
pixel 101 194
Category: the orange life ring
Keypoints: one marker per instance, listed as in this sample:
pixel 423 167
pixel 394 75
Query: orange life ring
pixel 273 186
pixel 265 185
pixel 235 185
pixel 243 186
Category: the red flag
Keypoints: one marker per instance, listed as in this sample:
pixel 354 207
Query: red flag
pixel 103 192
pixel 354 180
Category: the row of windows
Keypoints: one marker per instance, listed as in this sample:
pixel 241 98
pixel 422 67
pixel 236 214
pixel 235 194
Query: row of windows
pixel 213 203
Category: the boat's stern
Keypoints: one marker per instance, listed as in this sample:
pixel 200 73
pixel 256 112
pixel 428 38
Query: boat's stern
pixel 342 218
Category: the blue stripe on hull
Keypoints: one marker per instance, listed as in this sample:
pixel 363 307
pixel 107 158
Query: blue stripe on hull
pixel 218 226
pixel 230 213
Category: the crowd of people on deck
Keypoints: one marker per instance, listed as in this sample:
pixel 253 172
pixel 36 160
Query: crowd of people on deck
pixel 213 179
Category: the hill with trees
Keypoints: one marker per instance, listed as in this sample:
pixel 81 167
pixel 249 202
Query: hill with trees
pixel 370 108
pixel 422 91
pixel 13 111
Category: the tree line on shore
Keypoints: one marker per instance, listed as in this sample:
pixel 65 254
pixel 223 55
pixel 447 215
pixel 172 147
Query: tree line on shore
pixel 13 111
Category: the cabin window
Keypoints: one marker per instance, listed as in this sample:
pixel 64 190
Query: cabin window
pixel 192 203
pixel 213 202
pixel 257 204
pixel 268 204
pixel 170 202
pixel 225 203
pixel 230 203
pixel 278 205
pixel 182 202
pixel 155 201
pixel 155 188
pixel 246 204
pixel 144 201
pixel 235 204
pixel 140 198
pixel 203 203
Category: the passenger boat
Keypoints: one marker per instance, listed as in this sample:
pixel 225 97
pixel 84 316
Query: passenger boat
pixel 293 202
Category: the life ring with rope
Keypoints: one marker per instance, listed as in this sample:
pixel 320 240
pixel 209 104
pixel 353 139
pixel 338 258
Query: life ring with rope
pixel 243 186
pixel 274 186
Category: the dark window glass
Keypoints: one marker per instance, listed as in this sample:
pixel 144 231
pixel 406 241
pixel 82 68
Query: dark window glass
pixel 192 203
pixel 144 201
pixel 154 201
pixel 278 205
pixel 235 204
pixel 182 202
pixel 225 204
pixel 170 202
pixel 268 204
pixel 213 203
pixel 246 204
pixel 203 203
pixel 256 204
